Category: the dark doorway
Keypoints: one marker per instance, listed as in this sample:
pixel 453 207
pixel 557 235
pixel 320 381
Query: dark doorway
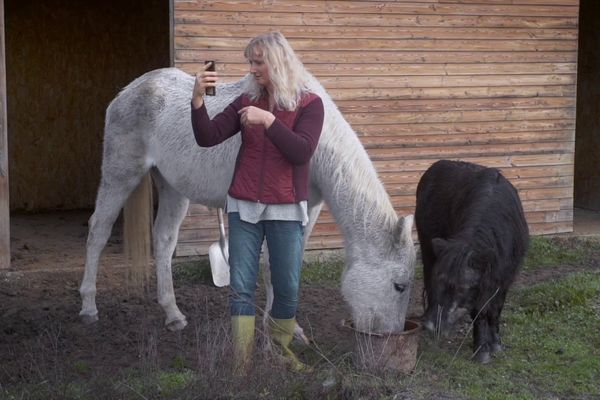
pixel 65 61
pixel 587 142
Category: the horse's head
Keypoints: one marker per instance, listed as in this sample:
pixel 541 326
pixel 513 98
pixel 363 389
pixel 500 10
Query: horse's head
pixel 377 281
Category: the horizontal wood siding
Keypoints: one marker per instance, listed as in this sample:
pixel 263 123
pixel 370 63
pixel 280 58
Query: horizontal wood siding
pixel 492 82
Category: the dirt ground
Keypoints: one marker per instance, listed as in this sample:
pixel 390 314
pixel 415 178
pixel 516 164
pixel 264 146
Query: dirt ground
pixel 39 306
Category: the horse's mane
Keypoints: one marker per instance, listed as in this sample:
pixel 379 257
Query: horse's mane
pixel 344 162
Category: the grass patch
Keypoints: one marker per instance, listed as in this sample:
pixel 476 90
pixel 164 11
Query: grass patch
pixel 576 291
pixel 193 272
pixel 323 273
pixel 553 348
pixel 545 251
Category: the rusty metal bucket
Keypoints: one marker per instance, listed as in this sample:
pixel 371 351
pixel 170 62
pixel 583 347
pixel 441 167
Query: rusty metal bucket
pixel 389 351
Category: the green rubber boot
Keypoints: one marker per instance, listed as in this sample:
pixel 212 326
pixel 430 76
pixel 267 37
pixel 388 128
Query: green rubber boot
pixel 282 333
pixel 242 332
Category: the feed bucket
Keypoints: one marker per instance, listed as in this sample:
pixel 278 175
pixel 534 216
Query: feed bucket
pixel 390 351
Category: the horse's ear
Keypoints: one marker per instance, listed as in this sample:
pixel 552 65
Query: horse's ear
pixel 403 233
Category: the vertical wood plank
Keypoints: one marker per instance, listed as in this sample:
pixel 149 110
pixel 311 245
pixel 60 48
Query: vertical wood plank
pixel 4 194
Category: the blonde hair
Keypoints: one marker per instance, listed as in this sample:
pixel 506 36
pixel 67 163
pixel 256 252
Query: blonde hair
pixel 286 71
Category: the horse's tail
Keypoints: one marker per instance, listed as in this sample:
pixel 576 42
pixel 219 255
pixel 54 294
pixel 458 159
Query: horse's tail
pixel 137 237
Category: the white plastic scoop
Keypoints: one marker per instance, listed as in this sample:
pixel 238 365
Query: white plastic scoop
pixel 218 255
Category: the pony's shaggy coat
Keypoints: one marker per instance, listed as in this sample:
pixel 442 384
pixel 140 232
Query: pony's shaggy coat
pixel 473 238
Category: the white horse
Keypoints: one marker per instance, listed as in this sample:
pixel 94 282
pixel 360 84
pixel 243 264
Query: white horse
pixel 148 129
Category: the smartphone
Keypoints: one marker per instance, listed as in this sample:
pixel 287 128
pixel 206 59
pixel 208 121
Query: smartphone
pixel 210 91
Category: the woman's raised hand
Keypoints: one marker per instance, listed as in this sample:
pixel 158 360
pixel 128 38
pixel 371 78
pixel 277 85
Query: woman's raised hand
pixel 204 79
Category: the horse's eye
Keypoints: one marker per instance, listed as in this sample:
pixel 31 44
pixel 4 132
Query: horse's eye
pixel 399 287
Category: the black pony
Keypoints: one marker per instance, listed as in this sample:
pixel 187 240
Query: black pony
pixel 473 238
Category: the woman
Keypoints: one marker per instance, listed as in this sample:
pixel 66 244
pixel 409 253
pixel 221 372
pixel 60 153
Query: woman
pixel 280 121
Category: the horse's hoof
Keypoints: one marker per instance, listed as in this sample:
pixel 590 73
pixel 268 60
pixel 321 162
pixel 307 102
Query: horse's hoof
pixel 89 319
pixel 483 357
pixel 177 325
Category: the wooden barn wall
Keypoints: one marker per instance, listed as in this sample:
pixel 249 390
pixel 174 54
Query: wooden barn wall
pixel 65 61
pixel 492 82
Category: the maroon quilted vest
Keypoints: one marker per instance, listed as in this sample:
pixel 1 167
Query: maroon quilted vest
pixel 262 173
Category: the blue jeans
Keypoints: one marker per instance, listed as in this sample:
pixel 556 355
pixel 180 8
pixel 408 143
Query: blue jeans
pixel 285 242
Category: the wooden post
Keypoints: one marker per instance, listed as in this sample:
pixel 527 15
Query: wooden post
pixel 4 199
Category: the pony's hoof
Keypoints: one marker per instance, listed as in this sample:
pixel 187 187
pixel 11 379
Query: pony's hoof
pixel 89 319
pixel 497 347
pixel 483 357
pixel 177 325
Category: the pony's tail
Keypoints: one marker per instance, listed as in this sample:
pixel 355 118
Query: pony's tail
pixel 137 228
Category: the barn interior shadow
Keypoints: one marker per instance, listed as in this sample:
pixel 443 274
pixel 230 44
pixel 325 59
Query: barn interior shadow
pixel 65 61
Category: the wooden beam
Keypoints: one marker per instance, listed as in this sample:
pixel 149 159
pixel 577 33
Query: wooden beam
pixel 4 198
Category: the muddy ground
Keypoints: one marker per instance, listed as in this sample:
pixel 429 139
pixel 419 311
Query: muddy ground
pixel 40 331
pixel 40 302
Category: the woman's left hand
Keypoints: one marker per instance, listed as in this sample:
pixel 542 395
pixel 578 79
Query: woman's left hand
pixel 251 115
